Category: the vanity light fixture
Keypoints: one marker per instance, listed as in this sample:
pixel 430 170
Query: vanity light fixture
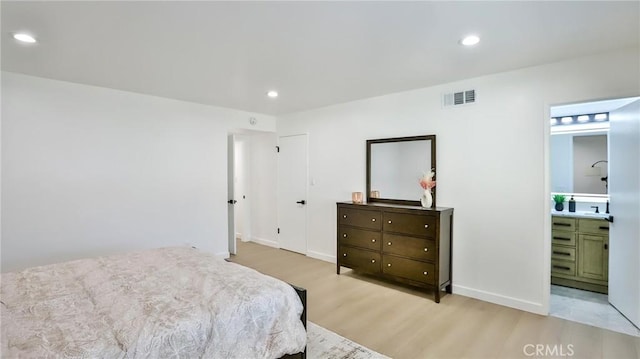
pixel 24 37
pixel 272 94
pixel 579 120
pixel 470 40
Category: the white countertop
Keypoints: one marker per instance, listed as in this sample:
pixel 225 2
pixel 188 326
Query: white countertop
pixel 580 214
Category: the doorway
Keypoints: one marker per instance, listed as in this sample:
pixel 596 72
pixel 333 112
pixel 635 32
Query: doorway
pixel 594 175
pixel 251 170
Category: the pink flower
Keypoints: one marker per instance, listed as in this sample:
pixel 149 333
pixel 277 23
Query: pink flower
pixel 427 182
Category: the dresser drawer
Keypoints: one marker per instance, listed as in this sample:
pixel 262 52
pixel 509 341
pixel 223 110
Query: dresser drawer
pixel 412 224
pixel 596 226
pixel 409 269
pixel 359 218
pixel 418 248
pixel 562 267
pixel 359 237
pixel 360 259
pixel 563 237
pixel 563 253
pixel 563 223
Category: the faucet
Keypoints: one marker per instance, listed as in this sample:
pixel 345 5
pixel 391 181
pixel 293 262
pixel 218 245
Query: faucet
pixel 596 207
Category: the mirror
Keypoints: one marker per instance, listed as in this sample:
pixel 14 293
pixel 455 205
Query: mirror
pixel 395 166
pixel 579 163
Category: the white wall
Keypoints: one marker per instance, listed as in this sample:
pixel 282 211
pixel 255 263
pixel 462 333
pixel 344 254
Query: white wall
pixel 264 187
pixel 242 186
pixel 492 165
pixel 92 171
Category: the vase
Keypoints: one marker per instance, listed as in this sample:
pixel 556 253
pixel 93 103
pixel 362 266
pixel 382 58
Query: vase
pixel 559 206
pixel 427 199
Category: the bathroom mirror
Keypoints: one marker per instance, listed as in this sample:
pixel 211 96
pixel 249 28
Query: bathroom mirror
pixel 579 163
pixel 395 166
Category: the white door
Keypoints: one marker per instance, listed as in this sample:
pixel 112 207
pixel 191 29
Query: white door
pixel 624 194
pixel 230 194
pixel 292 193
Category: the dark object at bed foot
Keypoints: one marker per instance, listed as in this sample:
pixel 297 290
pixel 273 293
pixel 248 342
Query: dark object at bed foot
pixel 302 293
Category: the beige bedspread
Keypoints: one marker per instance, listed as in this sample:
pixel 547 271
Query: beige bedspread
pixel 163 303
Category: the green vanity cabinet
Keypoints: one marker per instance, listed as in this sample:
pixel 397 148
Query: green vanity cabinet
pixel 593 262
pixel 580 253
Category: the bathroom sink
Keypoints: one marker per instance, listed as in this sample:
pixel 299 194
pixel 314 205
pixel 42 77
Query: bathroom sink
pixel 585 214
pixel 591 214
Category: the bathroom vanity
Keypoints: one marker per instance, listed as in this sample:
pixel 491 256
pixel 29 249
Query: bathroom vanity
pixel 580 251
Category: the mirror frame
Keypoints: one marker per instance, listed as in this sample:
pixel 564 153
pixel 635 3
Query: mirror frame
pixel 431 138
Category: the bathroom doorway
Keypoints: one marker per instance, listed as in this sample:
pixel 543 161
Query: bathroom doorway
pixel 592 227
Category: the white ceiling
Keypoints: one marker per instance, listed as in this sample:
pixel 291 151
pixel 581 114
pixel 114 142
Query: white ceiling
pixel 314 53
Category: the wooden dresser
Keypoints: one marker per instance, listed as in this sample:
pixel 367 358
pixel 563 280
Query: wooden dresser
pixel 408 244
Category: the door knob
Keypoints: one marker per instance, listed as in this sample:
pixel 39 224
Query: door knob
pixel 232 201
pixel 302 202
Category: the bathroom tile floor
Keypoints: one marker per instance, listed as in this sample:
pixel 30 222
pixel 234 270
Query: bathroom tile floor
pixel 588 308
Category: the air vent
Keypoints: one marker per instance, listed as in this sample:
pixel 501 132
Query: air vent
pixel 459 98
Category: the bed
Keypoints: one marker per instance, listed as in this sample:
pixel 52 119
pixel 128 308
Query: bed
pixel 161 303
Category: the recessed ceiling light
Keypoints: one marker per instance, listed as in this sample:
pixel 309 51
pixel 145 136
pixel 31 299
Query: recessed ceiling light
pixel 272 94
pixel 22 37
pixel 470 40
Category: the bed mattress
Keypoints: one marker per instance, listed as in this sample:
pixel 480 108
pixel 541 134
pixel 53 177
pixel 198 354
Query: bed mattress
pixel 162 303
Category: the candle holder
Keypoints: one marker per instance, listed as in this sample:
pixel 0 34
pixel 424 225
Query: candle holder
pixel 356 197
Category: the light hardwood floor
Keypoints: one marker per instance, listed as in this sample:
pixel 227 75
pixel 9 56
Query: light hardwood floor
pixel 402 322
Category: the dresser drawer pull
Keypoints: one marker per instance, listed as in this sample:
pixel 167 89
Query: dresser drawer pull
pixel 344 255
pixel 344 216
pixel 373 241
pixel 425 273
pixel 562 253
pixel 373 261
pixel 344 235
pixel 426 249
pixel 562 224
pixel 562 239
pixel 389 222
pixel 604 228
pixel 388 264
pixel 561 267
pixel 426 226
pixel 388 243
pixel 373 219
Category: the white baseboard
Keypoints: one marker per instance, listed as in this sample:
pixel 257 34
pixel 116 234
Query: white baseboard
pixel 511 302
pixel 222 255
pixel 321 256
pixel 265 242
